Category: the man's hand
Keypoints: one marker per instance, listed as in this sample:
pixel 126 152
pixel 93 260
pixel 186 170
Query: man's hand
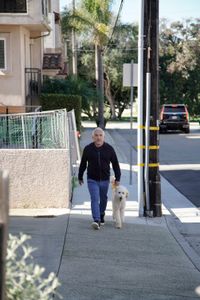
pixel 81 182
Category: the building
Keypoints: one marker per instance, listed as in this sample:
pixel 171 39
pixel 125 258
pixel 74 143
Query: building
pixel 30 47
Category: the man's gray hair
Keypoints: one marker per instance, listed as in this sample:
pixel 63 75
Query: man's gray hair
pixel 98 129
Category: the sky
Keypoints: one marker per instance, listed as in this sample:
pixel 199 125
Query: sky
pixel 173 10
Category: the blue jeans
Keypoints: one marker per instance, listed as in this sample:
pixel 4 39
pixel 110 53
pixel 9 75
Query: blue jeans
pixel 98 193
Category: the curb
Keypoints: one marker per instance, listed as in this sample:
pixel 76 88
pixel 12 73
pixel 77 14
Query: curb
pixel 188 250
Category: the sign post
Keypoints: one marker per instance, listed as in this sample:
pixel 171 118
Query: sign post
pixel 130 80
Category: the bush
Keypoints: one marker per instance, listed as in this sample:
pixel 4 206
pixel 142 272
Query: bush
pixel 59 101
pixel 24 279
pixel 74 86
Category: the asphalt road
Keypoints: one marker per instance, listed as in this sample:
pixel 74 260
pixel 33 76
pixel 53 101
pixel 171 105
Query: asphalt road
pixel 179 158
pixel 180 162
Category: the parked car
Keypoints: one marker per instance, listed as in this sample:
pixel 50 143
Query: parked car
pixel 174 117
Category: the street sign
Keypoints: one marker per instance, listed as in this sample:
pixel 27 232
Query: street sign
pixel 127 75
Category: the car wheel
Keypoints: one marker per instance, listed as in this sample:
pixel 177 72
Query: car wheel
pixel 187 130
pixel 162 130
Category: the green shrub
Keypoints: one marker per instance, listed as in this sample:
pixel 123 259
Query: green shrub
pixel 74 86
pixel 59 101
pixel 24 280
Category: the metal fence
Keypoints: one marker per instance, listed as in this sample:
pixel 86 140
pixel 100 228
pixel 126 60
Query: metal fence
pixel 43 130
pixel 73 138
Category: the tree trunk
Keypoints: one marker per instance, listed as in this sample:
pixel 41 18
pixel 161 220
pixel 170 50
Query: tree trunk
pixel 110 97
pixel 74 52
pixel 99 84
pixel 121 109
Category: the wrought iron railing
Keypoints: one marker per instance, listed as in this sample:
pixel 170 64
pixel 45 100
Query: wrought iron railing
pixel 32 85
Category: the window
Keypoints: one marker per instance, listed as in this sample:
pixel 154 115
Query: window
pixel 5 52
pixel 45 8
pixel 13 6
pixel 174 108
pixel 49 6
pixel 2 54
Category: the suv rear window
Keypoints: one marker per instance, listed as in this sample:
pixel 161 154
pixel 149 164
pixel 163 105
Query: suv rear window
pixel 174 108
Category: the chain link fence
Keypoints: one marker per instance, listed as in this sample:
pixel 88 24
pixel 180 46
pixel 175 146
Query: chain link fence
pixel 42 130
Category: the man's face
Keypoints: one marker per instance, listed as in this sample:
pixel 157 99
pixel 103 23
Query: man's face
pixel 98 138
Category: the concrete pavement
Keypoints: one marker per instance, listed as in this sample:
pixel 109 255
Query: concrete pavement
pixel 146 259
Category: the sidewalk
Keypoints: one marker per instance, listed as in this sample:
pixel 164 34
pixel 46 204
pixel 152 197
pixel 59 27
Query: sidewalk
pixel 146 259
pixel 140 261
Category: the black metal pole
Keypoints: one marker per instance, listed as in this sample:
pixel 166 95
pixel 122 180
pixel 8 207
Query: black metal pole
pixel 154 176
pixel 145 67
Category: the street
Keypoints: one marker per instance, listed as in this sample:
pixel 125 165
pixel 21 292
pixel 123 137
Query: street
pixel 179 158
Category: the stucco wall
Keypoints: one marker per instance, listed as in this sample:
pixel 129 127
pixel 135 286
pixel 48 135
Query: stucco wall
pixel 13 81
pixel 38 178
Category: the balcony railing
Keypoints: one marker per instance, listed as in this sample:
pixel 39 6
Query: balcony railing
pixel 33 85
pixel 13 6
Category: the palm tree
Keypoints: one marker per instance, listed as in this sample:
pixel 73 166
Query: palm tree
pixel 94 17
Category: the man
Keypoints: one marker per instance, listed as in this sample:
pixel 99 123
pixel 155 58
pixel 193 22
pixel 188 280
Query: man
pixel 96 158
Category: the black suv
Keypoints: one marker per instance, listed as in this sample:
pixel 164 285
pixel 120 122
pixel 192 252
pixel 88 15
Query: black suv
pixel 174 117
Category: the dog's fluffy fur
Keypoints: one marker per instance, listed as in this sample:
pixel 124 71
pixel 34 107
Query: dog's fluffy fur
pixel 120 194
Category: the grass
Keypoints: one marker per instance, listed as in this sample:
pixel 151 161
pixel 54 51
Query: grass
pixel 195 119
pixel 127 119
pixel 122 119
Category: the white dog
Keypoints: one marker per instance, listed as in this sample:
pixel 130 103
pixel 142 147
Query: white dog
pixel 120 194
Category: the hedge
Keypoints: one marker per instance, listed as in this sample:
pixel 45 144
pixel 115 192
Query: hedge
pixel 59 101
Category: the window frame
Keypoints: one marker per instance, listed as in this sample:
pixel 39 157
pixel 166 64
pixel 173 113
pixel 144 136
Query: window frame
pixel 13 10
pixel 5 57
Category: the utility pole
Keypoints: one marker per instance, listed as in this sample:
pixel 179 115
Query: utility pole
pixel 140 123
pixel 145 70
pixel 131 122
pixel 152 59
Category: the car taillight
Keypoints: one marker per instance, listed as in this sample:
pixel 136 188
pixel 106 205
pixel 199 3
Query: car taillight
pixel 161 113
pixel 187 114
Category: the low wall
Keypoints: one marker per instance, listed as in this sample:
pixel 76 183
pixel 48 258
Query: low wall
pixel 39 178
